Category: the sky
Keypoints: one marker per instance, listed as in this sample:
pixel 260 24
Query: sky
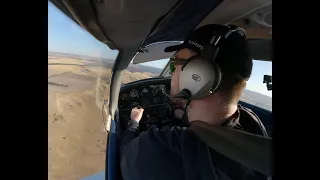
pixel 66 36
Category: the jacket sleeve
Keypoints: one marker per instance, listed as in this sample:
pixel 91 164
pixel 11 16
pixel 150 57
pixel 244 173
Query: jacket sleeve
pixel 129 134
pixel 137 150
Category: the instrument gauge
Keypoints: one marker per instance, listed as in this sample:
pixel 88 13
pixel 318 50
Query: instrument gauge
pixel 134 93
pixel 155 91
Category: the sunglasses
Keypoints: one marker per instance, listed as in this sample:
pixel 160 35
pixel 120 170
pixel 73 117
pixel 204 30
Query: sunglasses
pixel 174 62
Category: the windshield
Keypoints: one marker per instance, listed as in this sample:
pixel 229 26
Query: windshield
pixel 145 70
pixel 79 69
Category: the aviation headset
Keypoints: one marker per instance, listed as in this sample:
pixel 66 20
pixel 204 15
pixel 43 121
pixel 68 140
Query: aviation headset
pixel 200 75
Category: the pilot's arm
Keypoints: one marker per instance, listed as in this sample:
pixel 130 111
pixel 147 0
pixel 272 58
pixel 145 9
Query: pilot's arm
pixel 142 153
pixel 132 128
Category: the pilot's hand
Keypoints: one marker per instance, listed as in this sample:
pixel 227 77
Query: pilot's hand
pixel 136 114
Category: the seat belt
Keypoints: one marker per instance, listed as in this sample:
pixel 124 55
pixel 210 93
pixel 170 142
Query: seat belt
pixel 251 150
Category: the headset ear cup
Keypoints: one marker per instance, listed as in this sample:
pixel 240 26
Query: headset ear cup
pixel 198 77
pixel 218 76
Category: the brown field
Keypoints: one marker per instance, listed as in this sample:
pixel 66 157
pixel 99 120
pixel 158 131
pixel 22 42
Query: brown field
pixel 77 142
pixel 76 139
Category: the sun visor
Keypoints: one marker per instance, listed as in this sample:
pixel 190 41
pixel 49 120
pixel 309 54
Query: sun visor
pixel 154 51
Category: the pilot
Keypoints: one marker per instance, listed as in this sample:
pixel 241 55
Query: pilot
pixel 211 69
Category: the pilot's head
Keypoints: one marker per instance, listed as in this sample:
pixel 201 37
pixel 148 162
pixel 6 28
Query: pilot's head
pixel 233 59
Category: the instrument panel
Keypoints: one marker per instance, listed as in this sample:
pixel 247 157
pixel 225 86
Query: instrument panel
pixel 153 98
pixel 144 96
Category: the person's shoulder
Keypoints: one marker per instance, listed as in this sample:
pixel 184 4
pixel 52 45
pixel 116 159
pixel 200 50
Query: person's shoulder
pixel 173 128
pixel 250 122
pixel 167 136
pixel 166 129
pixel 166 132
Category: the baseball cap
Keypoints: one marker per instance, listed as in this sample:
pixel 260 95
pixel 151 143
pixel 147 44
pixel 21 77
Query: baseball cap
pixel 233 56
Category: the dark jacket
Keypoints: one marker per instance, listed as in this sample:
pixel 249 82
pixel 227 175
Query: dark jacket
pixel 174 153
